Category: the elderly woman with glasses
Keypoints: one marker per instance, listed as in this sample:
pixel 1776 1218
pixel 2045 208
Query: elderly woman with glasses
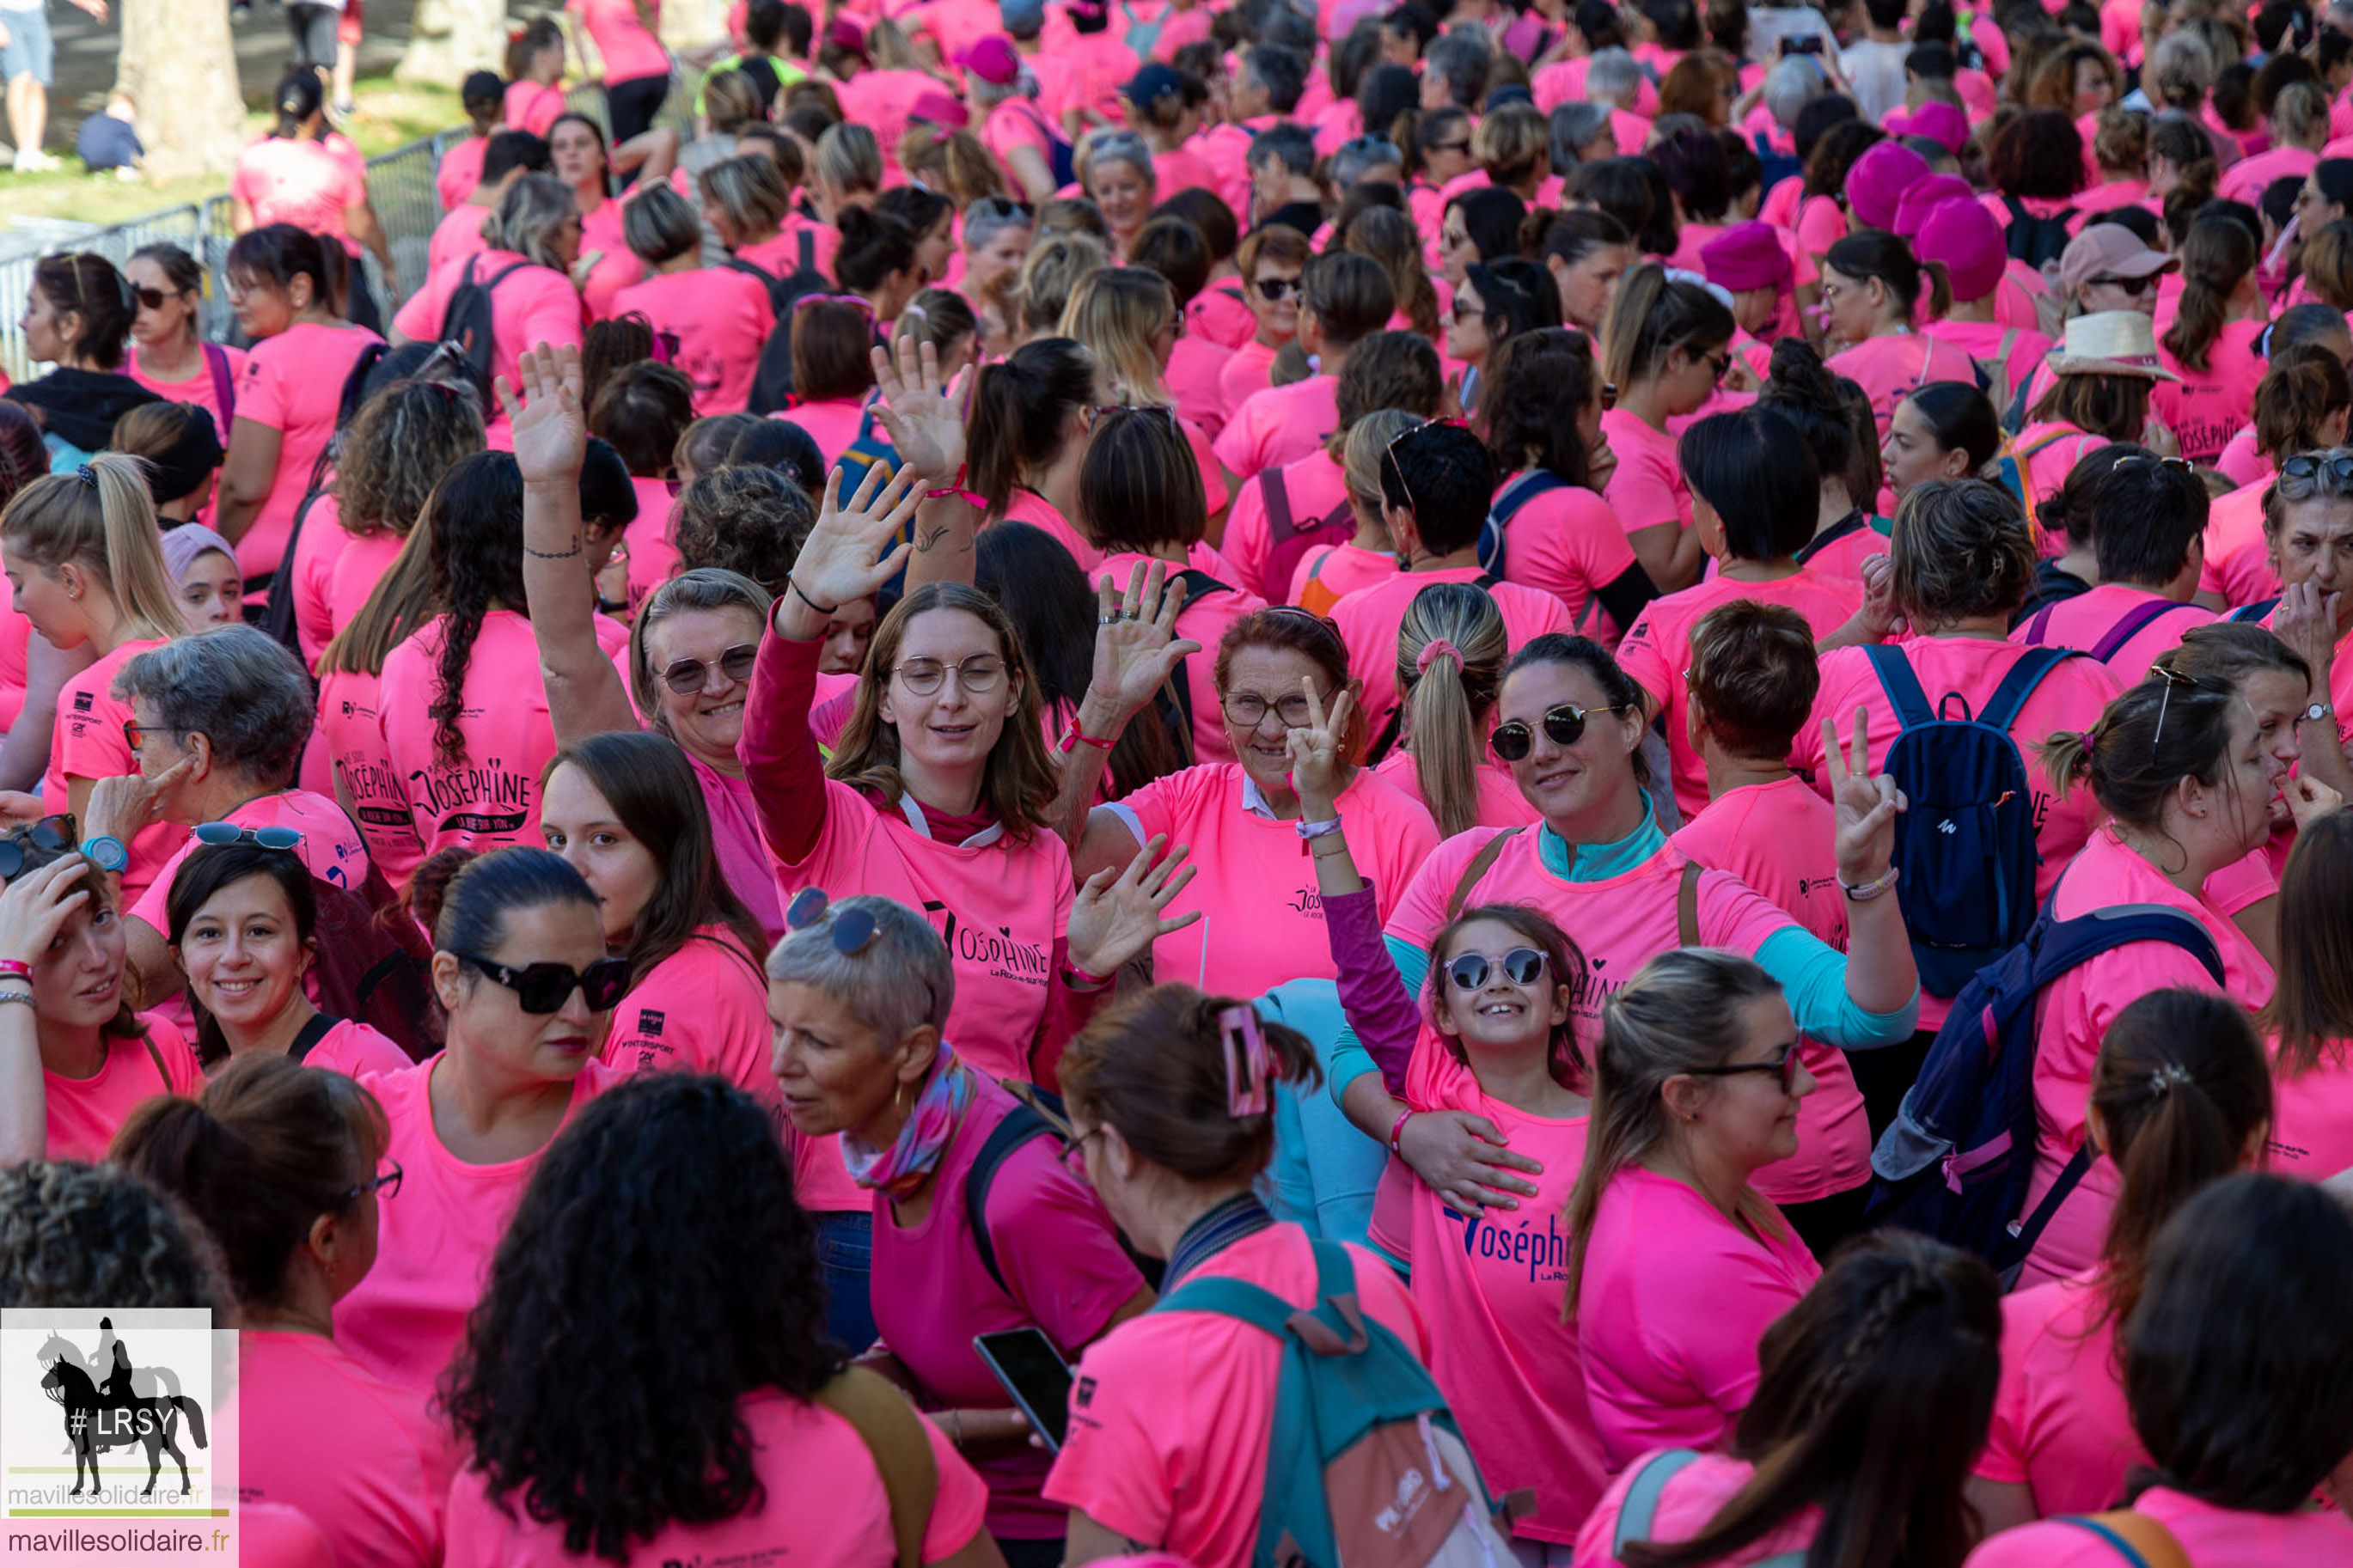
pixel 219 720
pixel 2308 534
pixel 863 994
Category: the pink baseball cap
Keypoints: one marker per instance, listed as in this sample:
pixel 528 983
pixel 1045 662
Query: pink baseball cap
pixel 1879 179
pixel 1966 239
pixel 1925 198
pixel 992 58
pixel 1943 123
pixel 939 108
pixel 1745 255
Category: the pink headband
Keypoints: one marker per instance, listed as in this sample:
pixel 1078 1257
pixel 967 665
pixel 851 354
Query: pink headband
pixel 1436 648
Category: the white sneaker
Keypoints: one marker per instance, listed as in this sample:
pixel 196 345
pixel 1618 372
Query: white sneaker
pixel 33 161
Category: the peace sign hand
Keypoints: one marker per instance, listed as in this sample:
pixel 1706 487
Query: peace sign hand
pixel 924 420
pixel 1866 804
pixel 1136 646
pixel 1316 746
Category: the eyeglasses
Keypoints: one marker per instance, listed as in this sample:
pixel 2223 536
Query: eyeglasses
pixel 134 733
pixel 685 677
pixel 49 836
pixel 1248 709
pixel 152 299
pixel 273 837
pixel 1521 966
pixel 1716 365
pixel 544 987
pixel 386 1185
pixel 1565 725
pixel 1451 147
pixel 1273 289
pixel 977 675
pixel 853 929
pixel 2134 286
pixel 1784 1062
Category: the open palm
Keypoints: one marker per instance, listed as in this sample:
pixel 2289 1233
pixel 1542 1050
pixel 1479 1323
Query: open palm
pixel 1136 644
pixel 924 420
pixel 549 425
pixel 849 554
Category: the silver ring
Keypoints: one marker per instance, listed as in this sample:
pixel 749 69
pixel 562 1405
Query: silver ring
pixel 1135 611
pixel 1105 620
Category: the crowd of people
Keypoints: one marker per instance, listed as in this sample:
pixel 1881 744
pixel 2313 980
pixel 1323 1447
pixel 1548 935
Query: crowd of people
pixel 1222 785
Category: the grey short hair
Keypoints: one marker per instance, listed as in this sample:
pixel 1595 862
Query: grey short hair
pixel 1361 154
pixel 1460 58
pixel 984 219
pixel 896 984
pixel 1791 85
pixel 531 212
pixel 1612 72
pixel 1101 147
pixel 1572 126
pixel 237 685
pixel 657 224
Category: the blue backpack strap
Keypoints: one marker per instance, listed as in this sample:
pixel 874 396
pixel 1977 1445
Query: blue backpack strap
pixel 2117 1544
pixel 2257 612
pixel 1640 1506
pixel 2000 710
pixel 1335 1271
pixel 1536 481
pixel 1229 1298
pixel 1901 686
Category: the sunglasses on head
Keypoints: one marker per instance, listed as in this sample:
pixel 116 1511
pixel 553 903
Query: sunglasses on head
pixel 1783 1063
pixel 275 837
pixel 1563 725
pixel 1521 966
pixel 49 836
pixel 546 987
pixel 853 929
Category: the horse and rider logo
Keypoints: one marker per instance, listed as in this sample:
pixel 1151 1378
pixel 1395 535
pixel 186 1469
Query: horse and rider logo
pixel 108 1402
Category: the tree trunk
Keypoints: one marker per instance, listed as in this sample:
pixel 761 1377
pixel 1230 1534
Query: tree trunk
pixel 449 37
pixel 179 65
pixel 693 24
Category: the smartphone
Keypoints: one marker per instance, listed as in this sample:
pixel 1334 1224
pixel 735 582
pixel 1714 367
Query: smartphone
pixel 1033 1371
pixel 1811 44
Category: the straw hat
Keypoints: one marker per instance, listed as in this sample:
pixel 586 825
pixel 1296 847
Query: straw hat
pixel 2110 342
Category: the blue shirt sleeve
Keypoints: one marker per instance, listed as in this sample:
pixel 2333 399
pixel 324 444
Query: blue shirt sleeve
pixel 1813 978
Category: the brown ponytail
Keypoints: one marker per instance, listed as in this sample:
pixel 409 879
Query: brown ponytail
pixel 2216 256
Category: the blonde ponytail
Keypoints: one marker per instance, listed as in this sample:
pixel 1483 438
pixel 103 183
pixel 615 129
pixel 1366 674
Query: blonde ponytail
pixel 101 521
pixel 1450 651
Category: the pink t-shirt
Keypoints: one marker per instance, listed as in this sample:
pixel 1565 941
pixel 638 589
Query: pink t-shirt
pixel 352 739
pixel 1065 1272
pixel 534 304
pixel 2244 181
pixel 2205 408
pixel 1891 367
pixel 199 389
pixel 1330 573
pixel 802 1452
pixel 533 106
pixel 833 423
pixel 1262 918
pixel 2209 1536
pixel 1246 374
pixel 2240 462
pixel 1568 543
pixel 1501 803
pixel 2050 449
pixel 459 171
pixel 1674 1298
pixel 1314 489
pixel 2085 620
pixel 2312 1118
pixel 1221 315
pixel 355 1049
pixel 359 1457
pixel 702 1009
pixel 88 742
pixel 630 52
pixel 1621 922
pixel 293 384
pixel 1280 425
pixel 1646 490
pixel 403 1322
pixel 293 179
pixel 1490 1289
pixel 457 235
pixel 721 318
pixel 1779 840
pixel 736 832
pixel 313 573
pixel 616 266
pixel 1368 619
pixel 2059 1425
pixel 1171 1417
pixel 331 846
pixel 359 567
pixel 1688 1504
pixel 1016 122
pixel 1657 650
pixel 490 797
pixel 1194 366
pixel 2238 557
pixel 1028 506
pixel 1204 619
pixel 2072 1018
pixel 82 1114
pixel 1983 340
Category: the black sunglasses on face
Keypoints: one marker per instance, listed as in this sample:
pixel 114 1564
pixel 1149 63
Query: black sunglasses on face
pixel 1521 966
pixel 546 987
pixel 49 836
pixel 1563 725
pixel 1273 289
pixel 1784 1062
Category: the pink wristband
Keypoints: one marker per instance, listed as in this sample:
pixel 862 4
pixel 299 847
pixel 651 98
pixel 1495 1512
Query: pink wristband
pixel 975 500
pixel 16 966
pixel 1396 1131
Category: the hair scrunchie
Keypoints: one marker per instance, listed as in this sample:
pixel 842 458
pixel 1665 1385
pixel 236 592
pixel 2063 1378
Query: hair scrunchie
pixel 1437 648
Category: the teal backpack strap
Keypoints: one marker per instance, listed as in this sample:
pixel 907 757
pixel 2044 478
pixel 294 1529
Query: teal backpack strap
pixel 1641 1505
pixel 1237 1299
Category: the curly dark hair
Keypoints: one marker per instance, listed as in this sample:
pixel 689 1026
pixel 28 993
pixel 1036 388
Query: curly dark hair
pixel 657 1270
pixel 96 1235
pixel 746 519
pixel 477 558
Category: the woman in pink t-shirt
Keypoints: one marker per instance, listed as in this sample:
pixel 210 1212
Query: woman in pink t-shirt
pixel 305 175
pixel 575 147
pixel 1667 346
pixel 285 1165
pixel 1890 1353
pixel 2309 1017
pixel 1873 291
pixel 287 287
pixel 1945 430
pixel 532 243
pixel 1127 317
pixel 519 964
pixel 860 993
pixel 1452 648
pixel 706 1415
pixel 2181 1097
pixel 1029 435
pixel 79 1060
pixel 169 355
pixel 719 319
pixel 86 565
pixel 2243 1312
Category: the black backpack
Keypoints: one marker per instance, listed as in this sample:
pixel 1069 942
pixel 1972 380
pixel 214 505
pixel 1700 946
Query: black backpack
pixel 2035 240
pixel 277 617
pixel 467 319
pixel 772 383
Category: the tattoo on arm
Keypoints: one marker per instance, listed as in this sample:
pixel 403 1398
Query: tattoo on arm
pixel 564 555
pixel 925 541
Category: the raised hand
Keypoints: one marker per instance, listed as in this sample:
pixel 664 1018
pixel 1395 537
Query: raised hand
pixel 1316 752
pixel 1136 646
pixel 1866 804
pixel 924 420
pixel 549 423
pixel 34 907
pixel 850 553
pixel 1116 916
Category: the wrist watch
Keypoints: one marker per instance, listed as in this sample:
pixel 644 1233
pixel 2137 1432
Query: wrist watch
pixel 106 852
pixel 2316 711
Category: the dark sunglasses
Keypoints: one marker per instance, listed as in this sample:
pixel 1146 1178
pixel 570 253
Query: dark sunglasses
pixel 1565 725
pixel 1521 966
pixel 2128 285
pixel 50 835
pixel 1451 147
pixel 1784 1063
pixel 1273 289
pixel 152 299
pixel 686 677
pixel 546 987
pixel 853 929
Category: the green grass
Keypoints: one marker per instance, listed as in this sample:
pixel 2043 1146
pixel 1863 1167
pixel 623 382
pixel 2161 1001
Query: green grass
pixel 388 114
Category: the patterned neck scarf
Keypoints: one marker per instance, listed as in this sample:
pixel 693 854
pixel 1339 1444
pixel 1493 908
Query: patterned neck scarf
pixel 914 1155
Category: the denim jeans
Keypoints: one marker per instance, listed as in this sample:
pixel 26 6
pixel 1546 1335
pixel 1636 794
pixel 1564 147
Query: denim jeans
pixel 845 1257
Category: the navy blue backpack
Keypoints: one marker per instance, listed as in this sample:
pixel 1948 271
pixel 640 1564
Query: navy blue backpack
pixel 1955 1161
pixel 1966 842
pixel 1536 481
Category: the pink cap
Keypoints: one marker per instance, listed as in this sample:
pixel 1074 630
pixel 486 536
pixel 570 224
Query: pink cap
pixel 1968 241
pixel 992 58
pixel 844 33
pixel 1925 198
pixel 940 109
pixel 1745 255
pixel 1943 123
pixel 1879 179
